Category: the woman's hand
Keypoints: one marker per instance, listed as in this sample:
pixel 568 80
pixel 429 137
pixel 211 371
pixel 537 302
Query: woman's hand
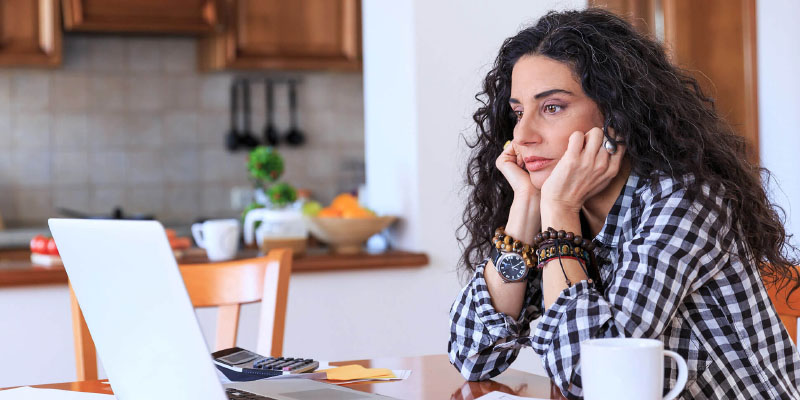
pixel 585 169
pixel 513 169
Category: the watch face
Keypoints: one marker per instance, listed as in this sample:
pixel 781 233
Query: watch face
pixel 511 266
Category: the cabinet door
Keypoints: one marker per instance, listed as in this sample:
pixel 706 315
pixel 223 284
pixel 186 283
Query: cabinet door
pixel 30 33
pixel 150 16
pixel 716 41
pixel 298 34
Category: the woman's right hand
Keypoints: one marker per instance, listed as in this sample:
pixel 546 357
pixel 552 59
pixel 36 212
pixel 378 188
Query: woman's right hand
pixel 513 169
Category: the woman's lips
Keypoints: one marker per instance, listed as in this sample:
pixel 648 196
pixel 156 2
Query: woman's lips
pixel 536 163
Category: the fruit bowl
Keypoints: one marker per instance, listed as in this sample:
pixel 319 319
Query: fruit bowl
pixel 347 235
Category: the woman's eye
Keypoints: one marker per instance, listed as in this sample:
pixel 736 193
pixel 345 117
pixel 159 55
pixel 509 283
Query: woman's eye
pixel 552 108
pixel 518 114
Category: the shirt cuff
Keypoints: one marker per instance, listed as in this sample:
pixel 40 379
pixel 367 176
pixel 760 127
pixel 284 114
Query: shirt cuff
pixel 579 309
pixel 500 325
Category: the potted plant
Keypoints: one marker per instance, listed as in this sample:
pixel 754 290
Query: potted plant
pixel 274 219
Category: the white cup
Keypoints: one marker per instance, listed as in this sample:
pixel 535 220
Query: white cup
pixel 622 369
pixel 220 238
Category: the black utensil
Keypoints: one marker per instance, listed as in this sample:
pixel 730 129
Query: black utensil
pixel 232 137
pixel 295 137
pixel 247 139
pixel 116 213
pixel 271 137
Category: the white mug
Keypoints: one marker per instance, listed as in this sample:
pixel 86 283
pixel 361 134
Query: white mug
pixel 621 369
pixel 220 238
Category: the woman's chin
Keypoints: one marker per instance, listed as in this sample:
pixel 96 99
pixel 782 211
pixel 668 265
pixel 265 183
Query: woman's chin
pixel 538 178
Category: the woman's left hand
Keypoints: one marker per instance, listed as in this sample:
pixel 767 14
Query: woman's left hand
pixel 585 169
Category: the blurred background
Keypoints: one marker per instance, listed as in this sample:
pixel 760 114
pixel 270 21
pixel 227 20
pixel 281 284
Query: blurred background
pixel 144 109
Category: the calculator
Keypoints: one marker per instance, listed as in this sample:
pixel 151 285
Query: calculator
pixel 244 365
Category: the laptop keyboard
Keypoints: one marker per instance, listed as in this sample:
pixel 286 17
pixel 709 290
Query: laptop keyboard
pixel 242 395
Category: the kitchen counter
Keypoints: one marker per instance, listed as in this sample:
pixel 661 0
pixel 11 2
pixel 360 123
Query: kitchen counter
pixel 16 268
pixel 20 238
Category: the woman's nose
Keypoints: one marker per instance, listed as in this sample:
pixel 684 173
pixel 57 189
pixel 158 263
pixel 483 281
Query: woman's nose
pixel 525 132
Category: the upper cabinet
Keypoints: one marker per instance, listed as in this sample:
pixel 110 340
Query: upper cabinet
pixel 144 16
pixel 279 34
pixel 715 41
pixel 30 33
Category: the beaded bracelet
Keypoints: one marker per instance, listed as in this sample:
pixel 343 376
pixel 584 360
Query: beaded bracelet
pixel 551 233
pixel 542 264
pixel 553 244
pixel 504 242
pixel 559 256
pixel 552 248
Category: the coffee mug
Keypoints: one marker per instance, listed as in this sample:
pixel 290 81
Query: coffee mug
pixel 621 369
pixel 220 238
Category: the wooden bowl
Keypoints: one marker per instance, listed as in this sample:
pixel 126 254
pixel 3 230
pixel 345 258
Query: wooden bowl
pixel 346 235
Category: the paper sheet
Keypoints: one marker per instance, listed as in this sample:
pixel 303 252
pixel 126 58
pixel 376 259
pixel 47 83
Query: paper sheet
pixel 399 374
pixel 505 396
pixel 29 393
pixel 351 372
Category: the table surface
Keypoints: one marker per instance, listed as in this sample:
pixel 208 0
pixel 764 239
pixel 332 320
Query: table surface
pixel 432 377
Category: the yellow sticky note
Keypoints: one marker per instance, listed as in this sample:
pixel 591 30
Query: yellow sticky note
pixel 350 372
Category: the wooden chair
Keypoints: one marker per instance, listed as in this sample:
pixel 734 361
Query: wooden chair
pixel 226 285
pixel 788 309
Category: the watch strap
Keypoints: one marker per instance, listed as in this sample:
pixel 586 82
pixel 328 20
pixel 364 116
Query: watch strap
pixel 494 255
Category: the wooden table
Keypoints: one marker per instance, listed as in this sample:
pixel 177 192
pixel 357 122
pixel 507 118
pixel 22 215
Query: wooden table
pixel 432 377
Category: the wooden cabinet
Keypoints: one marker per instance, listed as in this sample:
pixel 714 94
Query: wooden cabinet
pixel 30 33
pixel 715 40
pixel 144 16
pixel 278 34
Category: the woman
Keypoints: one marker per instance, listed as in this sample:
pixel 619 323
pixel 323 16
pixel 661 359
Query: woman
pixel 611 142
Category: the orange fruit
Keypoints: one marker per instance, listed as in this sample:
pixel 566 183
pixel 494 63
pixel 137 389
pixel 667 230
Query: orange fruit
pixel 345 201
pixel 329 212
pixel 357 213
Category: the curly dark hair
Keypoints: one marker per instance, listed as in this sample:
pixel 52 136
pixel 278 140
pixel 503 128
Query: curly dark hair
pixel 667 123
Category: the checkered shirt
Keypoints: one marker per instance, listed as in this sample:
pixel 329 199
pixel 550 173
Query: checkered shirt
pixel 672 269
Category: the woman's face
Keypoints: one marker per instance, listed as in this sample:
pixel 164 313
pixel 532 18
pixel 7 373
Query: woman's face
pixel 550 105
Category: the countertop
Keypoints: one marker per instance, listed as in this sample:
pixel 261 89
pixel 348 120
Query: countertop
pixel 20 238
pixel 16 268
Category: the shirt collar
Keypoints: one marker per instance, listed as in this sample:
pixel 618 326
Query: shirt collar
pixel 611 232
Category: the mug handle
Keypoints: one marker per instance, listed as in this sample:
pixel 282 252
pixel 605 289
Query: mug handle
pixel 683 375
pixel 197 232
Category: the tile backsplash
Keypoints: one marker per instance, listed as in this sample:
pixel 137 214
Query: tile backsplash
pixel 131 122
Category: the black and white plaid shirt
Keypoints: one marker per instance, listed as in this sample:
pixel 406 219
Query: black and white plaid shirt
pixel 675 271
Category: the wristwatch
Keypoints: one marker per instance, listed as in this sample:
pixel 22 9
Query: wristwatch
pixel 510 265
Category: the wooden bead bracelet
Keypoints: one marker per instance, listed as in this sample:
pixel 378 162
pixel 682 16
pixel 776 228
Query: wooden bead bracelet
pixel 551 233
pixel 504 242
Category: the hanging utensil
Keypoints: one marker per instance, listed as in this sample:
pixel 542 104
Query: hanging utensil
pixel 248 140
pixel 271 137
pixel 232 136
pixel 295 137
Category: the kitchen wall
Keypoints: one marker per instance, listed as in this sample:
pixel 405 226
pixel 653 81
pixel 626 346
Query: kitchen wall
pixel 432 57
pixel 778 103
pixel 129 121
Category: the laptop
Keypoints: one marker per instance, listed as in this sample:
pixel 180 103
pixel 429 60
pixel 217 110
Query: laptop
pixel 130 290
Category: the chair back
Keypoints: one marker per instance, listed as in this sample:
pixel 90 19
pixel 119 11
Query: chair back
pixel 225 285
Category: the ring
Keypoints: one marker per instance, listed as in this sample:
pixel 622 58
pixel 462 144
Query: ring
pixel 610 147
pixel 508 143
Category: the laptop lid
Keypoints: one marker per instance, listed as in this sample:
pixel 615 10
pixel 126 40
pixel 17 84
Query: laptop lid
pixel 128 285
